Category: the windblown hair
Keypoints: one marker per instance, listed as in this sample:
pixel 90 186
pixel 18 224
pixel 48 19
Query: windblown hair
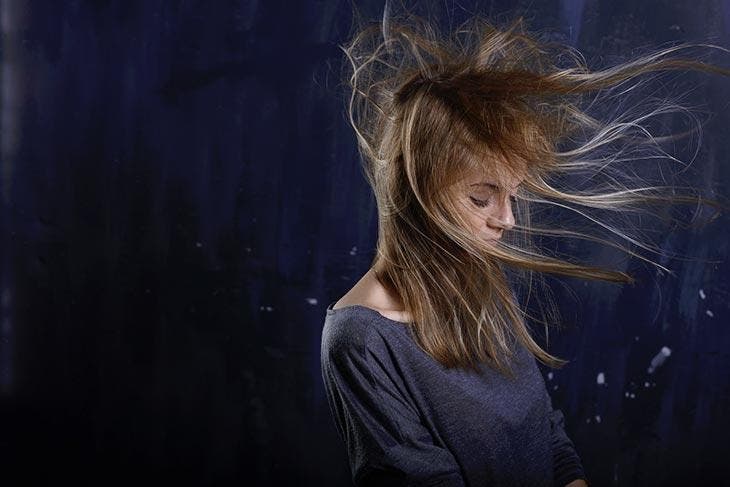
pixel 428 109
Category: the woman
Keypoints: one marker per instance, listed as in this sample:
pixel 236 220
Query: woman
pixel 429 362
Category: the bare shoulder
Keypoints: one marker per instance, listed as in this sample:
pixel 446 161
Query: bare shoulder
pixel 365 292
pixel 370 293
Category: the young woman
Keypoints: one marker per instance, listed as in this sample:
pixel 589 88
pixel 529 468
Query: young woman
pixel 429 362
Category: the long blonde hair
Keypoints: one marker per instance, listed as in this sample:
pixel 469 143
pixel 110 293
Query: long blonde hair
pixel 429 108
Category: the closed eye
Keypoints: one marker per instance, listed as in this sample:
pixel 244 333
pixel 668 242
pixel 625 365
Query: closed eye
pixel 484 203
pixel 479 203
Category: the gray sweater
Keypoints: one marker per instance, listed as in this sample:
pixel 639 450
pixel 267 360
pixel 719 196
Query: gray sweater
pixel 407 420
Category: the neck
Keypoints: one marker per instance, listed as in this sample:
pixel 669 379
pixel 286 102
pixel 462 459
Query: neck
pixel 383 292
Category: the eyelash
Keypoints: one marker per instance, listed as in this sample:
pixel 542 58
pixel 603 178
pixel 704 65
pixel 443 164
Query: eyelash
pixel 480 203
pixel 484 203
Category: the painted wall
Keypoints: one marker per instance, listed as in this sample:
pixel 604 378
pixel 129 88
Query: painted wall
pixel 181 199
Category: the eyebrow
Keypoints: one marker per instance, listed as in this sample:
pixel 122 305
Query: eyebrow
pixel 491 185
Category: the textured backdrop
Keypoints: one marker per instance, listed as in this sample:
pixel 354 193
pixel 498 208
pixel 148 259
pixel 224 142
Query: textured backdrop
pixel 181 198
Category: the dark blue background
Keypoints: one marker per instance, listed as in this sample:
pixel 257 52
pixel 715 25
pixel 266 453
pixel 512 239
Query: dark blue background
pixel 181 198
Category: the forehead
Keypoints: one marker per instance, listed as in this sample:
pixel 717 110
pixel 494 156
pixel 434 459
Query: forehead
pixel 486 168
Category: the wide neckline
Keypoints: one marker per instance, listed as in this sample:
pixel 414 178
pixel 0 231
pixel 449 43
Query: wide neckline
pixel 331 311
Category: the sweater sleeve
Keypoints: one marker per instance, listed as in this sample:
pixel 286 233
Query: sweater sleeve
pixel 386 443
pixel 567 465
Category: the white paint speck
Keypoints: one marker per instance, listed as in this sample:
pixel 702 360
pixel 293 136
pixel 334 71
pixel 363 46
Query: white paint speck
pixel 710 313
pixel 636 339
pixel 646 384
pixel 659 359
pixel 702 294
pixel 265 308
pixel 550 376
pixel 312 301
pixel 626 394
pixel 198 244
pixel 601 379
pixel 632 395
pixel 555 387
pixel 248 249
pixel 353 250
pixel 598 418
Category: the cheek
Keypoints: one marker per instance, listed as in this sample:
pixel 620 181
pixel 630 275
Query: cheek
pixel 479 222
pixel 480 214
pixel 477 218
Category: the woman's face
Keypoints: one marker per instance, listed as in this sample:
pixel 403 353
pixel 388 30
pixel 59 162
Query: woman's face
pixel 487 204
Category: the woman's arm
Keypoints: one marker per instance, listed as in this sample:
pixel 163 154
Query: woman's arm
pixel 566 462
pixel 567 465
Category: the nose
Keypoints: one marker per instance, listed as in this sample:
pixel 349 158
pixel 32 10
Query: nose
pixel 504 219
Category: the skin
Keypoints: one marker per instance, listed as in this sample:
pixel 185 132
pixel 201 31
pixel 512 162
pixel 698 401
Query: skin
pixel 371 293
